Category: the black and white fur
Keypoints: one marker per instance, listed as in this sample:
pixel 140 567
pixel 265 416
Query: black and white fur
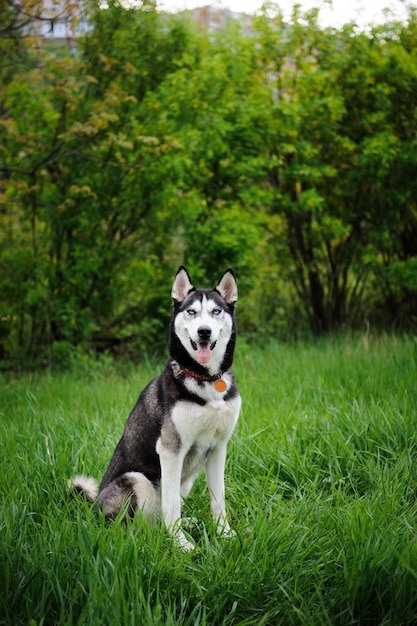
pixel 181 423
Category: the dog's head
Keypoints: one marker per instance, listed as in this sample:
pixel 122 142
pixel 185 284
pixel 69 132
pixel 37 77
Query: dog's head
pixel 203 331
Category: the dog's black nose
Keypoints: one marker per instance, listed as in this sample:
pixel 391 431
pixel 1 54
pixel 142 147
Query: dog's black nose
pixel 204 333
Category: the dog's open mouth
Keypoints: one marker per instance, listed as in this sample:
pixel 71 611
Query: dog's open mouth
pixel 203 349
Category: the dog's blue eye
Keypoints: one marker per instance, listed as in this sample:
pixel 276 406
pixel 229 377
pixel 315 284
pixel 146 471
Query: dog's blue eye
pixel 216 311
pixel 191 311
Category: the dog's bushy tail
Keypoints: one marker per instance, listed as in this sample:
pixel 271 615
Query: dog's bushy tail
pixel 84 484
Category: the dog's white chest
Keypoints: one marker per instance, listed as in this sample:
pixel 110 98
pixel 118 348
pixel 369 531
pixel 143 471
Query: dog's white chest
pixel 203 426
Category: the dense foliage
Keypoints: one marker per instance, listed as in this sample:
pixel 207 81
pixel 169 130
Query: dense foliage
pixel 284 150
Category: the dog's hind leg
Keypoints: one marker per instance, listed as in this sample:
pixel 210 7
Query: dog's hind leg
pixel 132 487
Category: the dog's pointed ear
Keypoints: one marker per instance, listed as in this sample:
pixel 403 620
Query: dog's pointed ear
pixel 182 285
pixel 227 287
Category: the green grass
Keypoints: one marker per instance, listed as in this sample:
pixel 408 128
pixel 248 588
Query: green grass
pixel 321 489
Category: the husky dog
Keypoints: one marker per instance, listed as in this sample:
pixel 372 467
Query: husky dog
pixel 183 419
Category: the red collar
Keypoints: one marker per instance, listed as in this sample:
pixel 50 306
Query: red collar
pixel 202 377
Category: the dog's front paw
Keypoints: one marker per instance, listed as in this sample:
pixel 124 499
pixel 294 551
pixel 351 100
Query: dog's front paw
pixel 182 542
pixel 225 531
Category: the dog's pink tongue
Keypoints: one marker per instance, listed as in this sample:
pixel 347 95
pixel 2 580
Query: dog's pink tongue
pixel 203 353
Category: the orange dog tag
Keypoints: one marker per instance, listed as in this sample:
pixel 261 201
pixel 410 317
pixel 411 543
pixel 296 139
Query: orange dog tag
pixel 220 385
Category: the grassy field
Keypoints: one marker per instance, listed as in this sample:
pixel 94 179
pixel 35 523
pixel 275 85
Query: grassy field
pixel 321 489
